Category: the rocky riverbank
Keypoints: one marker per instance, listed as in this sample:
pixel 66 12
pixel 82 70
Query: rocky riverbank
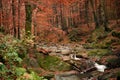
pixel 57 63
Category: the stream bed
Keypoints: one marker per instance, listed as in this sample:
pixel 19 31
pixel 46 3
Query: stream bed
pixel 64 51
pixel 73 76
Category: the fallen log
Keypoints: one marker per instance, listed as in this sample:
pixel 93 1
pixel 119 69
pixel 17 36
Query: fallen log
pixel 44 51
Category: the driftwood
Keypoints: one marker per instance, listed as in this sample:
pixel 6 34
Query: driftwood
pixel 83 57
pixel 89 69
pixel 44 51
pixel 82 71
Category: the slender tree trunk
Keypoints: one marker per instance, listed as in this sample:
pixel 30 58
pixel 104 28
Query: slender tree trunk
pixel 60 16
pixel 28 9
pixel 86 13
pixel 103 15
pixel 116 8
pixel 18 19
pixel 94 14
pixel 1 15
pixel 13 14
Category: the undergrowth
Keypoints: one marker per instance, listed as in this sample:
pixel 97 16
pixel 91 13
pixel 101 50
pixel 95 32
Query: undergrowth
pixel 11 62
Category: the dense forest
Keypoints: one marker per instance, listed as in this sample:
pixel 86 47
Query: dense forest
pixel 59 39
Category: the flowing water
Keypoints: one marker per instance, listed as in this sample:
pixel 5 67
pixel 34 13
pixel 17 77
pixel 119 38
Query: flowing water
pixel 83 65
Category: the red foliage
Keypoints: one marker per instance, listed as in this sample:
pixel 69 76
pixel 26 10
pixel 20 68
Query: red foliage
pixel 62 14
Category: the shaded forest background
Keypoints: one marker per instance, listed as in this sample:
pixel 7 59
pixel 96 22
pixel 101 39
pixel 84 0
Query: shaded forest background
pixel 54 19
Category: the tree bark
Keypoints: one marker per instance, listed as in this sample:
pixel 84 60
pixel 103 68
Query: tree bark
pixel 13 14
pixel 18 19
pixel 1 13
pixel 94 14
pixel 28 9
pixel 86 13
pixel 103 15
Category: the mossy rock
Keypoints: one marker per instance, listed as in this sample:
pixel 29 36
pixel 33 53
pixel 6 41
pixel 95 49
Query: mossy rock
pixel 98 33
pixel 94 45
pixel 52 63
pixel 118 74
pixel 113 62
pixel 102 44
pixel 99 52
pixel 116 34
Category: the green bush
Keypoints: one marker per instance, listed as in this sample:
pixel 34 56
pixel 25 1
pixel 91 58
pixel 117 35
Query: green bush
pixel 74 35
pixel 10 61
pixel 30 76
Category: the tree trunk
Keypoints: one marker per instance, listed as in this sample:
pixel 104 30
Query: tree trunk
pixel 28 9
pixel 18 19
pixel 116 8
pixel 1 15
pixel 94 14
pixel 86 13
pixel 103 15
pixel 13 14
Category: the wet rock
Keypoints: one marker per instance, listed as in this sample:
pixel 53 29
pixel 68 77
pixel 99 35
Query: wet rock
pixel 72 76
pixel 65 51
pixel 67 77
pixel 49 76
pixel 65 58
pixel 112 61
pixel 106 76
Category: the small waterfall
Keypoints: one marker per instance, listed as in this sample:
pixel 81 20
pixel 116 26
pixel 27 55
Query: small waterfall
pixel 89 64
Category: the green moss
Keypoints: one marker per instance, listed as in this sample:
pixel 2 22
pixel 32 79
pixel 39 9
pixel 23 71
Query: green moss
pixel 98 33
pixel 52 63
pixel 99 52
pixel 102 44
pixel 94 45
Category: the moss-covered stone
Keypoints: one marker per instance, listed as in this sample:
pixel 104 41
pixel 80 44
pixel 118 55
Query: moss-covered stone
pixel 99 39
pixel 118 74
pixel 102 44
pixel 116 34
pixel 99 52
pixel 52 63
pixel 113 62
pixel 98 33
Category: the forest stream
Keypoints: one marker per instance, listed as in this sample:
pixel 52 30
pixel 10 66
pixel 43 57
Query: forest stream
pixel 83 67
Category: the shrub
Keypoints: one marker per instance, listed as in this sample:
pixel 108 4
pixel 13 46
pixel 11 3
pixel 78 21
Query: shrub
pixel 74 35
pixel 10 61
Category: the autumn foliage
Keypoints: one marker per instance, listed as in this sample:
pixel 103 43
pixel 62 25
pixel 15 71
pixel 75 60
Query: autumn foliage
pixel 18 17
